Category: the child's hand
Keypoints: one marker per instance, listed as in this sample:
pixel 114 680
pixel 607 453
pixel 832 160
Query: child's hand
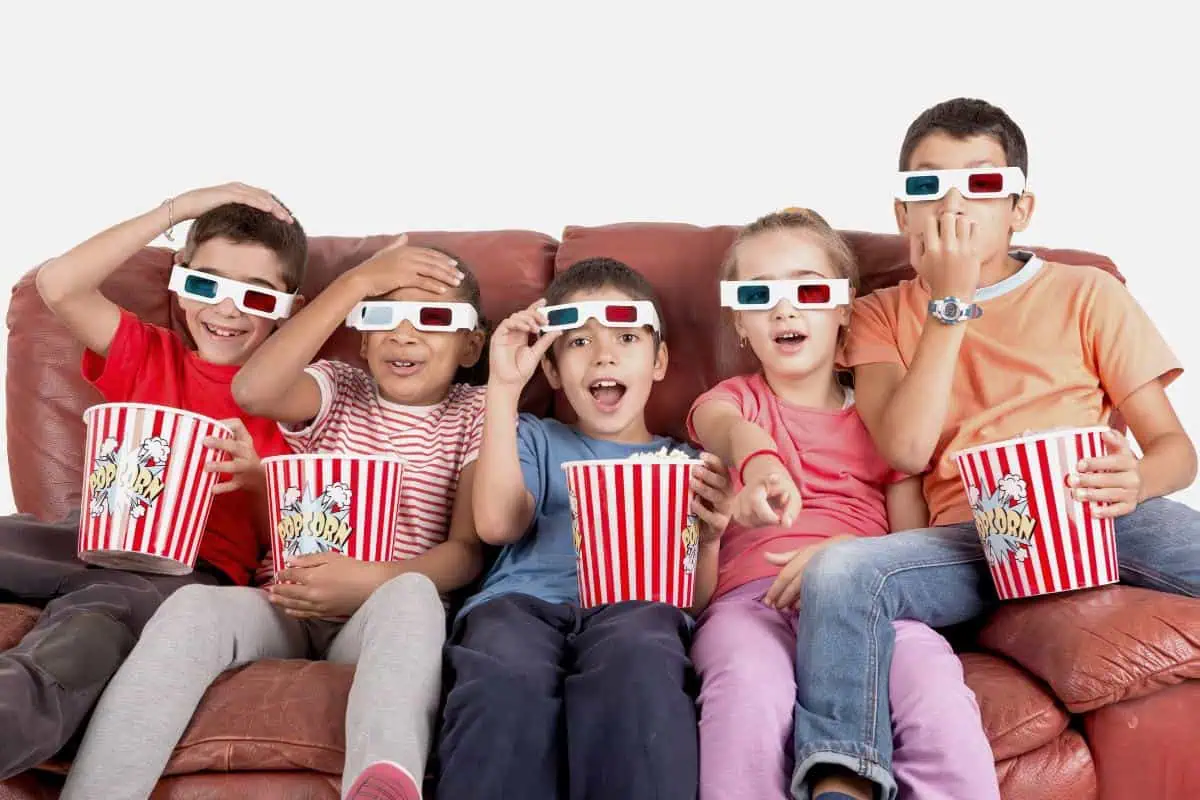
pixel 947 255
pixel 711 497
pixel 769 497
pixel 1112 483
pixel 265 572
pixel 785 591
pixel 399 266
pixel 190 205
pixel 512 359
pixel 243 463
pixel 324 585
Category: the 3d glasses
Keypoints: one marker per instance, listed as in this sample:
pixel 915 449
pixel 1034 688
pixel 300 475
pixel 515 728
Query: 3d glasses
pixel 250 298
pixel 802 294
pixel 386 315
pixel 980 183
pixel 610 313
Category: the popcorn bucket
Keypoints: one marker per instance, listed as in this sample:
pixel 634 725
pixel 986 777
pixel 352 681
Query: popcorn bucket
pixel 634 536
pixel 330 502
pixel 1037 537
pixel 146 496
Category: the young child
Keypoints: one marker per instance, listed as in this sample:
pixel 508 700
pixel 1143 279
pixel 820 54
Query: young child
pixel 985 344
pixel 548 699
pixel 91 617
pixel 408 404
pixel 807 475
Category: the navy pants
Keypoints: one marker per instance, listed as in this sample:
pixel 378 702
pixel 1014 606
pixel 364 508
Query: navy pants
pixel 550 700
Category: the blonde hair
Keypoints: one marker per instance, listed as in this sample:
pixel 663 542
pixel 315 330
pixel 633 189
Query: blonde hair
pixel 798 220
pixel 730 360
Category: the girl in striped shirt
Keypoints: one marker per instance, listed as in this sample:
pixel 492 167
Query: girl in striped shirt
pixel 421 331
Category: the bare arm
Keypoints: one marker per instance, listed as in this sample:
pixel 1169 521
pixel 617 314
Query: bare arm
pixel 70 284
pixel 722 431
pixel 906 507
pixel 273 383
pixel 503 507
pixel 905 411
pixel 455 562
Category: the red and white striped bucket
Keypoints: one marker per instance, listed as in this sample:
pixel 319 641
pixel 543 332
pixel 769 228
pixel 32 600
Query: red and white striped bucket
pixel 1037 537
pixel 329 502
pixel 635 538
pixel 146 496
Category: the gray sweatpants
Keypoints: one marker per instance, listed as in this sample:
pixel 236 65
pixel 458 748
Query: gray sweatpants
pixel 395 638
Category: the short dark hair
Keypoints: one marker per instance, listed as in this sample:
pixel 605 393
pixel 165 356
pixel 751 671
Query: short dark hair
pixel 962 118
pixel 591 274
pixel 242 224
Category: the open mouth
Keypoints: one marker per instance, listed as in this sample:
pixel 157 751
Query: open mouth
pixel 607 392
pixel 221 332
pixel 404 367
pixel 790 338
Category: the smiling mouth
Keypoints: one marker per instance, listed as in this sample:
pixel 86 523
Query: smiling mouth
pixel 607 392
pixel 219 332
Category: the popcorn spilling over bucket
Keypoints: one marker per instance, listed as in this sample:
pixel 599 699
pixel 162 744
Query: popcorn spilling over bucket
pixel 322 503
pixel 146 496
pixel 635 538
pixel 1037 537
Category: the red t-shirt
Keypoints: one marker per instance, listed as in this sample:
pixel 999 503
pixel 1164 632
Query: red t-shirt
pixel 149 364
pixel 832 460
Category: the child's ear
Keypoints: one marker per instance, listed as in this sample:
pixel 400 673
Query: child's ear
pixel 1022 212
pixel 660 362
pixel 551 373
pixel 472 350
pixel 362 347
pixel 298 302
pixel 901 211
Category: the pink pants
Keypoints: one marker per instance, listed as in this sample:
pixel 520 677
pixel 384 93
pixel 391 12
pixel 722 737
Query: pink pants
pixel 745 655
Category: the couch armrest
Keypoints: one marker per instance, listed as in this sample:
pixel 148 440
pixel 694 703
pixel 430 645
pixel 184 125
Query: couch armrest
pixel 1101 646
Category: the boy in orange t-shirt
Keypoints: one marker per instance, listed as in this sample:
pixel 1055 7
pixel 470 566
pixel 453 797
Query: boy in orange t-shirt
pixel 985 344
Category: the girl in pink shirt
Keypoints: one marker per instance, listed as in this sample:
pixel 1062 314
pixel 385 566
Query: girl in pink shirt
pixel 806 473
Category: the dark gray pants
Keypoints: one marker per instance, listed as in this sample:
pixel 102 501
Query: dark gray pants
pixel 90 619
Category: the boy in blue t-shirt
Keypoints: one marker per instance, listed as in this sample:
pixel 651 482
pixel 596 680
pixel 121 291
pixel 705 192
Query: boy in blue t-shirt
pixel 529 668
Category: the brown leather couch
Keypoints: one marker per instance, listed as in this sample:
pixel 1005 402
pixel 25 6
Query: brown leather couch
pixel 1090 695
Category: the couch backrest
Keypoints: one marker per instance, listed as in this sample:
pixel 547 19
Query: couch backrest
pixel 47 396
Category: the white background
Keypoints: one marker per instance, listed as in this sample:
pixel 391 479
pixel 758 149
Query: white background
pixel 384 117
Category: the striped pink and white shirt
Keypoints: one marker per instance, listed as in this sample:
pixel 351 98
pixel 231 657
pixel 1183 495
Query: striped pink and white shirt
pixel 436 443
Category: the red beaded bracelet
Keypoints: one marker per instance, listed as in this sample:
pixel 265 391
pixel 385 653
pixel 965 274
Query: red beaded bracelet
pixel 763 452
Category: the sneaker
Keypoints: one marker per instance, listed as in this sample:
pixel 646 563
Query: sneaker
pixel 385 780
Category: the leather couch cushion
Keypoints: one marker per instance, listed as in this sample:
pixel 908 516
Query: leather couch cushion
pixel 1101 646
pixel 15 622
pixel 1019 714
pixel 257 785
pixel 1060 770
pixel 269 715
pixel 1146 747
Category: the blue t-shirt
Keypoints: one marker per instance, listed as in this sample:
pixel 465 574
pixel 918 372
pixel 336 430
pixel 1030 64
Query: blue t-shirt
pixel 542 563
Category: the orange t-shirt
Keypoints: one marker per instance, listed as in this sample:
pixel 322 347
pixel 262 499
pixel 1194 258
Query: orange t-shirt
pixel 1056 346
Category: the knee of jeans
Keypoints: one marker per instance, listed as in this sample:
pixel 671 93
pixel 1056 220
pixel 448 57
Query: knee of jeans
pixel 841 569
pixel 83 650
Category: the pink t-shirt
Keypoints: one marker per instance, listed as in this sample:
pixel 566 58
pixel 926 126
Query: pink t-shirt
pixel 829 455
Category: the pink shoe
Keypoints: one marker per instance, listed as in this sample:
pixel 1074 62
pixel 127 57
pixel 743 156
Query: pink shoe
pixel 385 780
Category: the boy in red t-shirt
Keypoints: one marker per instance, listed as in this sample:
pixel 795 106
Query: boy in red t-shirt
pixel 247 254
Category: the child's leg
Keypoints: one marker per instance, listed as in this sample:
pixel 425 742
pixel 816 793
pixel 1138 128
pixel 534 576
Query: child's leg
pixel 198 633
pixel 851 594
pixel 744 655
pixel 631 720
pixel 37 557
pixel 52 678
pixel 1158 547
pixel 499 738
pixel 396 639
pixel 941 751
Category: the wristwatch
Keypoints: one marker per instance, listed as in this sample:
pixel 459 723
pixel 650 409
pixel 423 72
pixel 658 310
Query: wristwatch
pixel 951 310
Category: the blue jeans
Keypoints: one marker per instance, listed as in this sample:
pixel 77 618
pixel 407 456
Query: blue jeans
pixel 853 591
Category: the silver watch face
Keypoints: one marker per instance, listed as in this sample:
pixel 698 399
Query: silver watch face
pixel 951 309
